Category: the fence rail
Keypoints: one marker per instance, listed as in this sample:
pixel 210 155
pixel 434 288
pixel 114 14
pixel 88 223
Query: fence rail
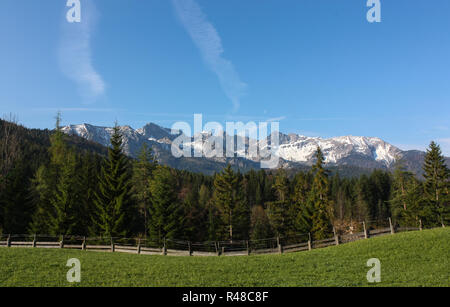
pixel 297 243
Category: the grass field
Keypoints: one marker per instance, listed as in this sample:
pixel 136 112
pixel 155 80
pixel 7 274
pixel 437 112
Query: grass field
pixel 407 259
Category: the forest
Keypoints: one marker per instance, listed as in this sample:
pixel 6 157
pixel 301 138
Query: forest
pixel 55 184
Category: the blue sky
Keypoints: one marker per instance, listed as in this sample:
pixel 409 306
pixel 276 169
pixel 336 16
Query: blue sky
pixel 316 65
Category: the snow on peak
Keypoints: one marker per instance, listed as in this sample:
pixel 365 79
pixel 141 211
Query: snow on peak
pixel 302 149
pixel 292 147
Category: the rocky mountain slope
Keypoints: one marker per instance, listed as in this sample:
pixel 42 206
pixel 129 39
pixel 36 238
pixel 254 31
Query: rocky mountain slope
pixel 295 151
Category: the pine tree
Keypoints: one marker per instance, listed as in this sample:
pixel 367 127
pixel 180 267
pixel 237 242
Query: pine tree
pixel 114 207
pixel 406 196
pixel 436 186
pixel 321 218
pixel 86 178
pixel 58 148
pixel 229 199
pixel 41 195
pixel 142 174
pixel 278 211
pixel 166 219
pixel 302 209
pixel 194 214
pixel 401 179
pixel 64 202
pixel 45 182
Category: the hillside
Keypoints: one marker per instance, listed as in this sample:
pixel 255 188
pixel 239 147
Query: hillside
pixel 32 144
pixel 407 259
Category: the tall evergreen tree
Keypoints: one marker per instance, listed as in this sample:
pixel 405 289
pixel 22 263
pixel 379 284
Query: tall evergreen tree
pixel 406 200
pixel 302 209
pixel 436 186
pixel 401 179
pixel 86 178
pixel 322 227
pixel 143 169
pixel 229 199
pixel 114 207
pixel 166 216
pixel 64 200
pixel 195 214
pixel 41 194
pixel 45 182
pixel 278 210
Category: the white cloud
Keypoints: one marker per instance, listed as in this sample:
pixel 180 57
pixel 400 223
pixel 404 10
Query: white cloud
pixel 75 55
pixel 208 41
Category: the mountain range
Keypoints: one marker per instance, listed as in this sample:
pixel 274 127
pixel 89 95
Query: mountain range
pixel 295 151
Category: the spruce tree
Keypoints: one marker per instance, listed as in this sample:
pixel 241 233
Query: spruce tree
pixel 436 186
pixel 45 182
pixel 113 200
pixel 229 199
pixel 88 170
pixel 166 218
pixel 278 210
pixel 143 168
pixel 194 214
pixel 406 196
pixel 321 218
pixel 64 200
pixel 302 209
pixel 41 195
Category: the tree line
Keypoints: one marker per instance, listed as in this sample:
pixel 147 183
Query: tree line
pixel 64 190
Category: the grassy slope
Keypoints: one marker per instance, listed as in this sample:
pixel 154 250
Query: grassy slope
pixel 407 259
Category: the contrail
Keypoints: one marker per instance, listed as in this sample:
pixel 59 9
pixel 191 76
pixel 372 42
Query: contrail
pixel 75 55
pixel 208 41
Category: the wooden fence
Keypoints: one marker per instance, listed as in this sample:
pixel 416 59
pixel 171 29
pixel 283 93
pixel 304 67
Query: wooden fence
pixel 302 242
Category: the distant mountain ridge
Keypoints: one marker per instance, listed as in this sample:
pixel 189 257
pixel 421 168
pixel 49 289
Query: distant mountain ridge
pixel 295 151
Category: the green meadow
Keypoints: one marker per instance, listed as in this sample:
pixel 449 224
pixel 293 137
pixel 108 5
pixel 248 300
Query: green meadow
pixel 419 258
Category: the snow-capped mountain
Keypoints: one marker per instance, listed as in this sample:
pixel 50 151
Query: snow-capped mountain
pixel 299 148
pixel 293 149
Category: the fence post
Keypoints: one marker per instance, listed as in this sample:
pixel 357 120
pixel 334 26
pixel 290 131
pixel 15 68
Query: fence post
pixel 442 222
pixel 420 225
pixel 216 244
pixel 248 248
pixel 391 226
pixel 365 230
pixel 190 248
pixel 309 242
pixel 336 237
pixel 113 247
pixel 61 243
pixel 34 240
pixel 83 245
pixel 280 247
pixel 8 241
pixel 164 248
pixel 139 246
